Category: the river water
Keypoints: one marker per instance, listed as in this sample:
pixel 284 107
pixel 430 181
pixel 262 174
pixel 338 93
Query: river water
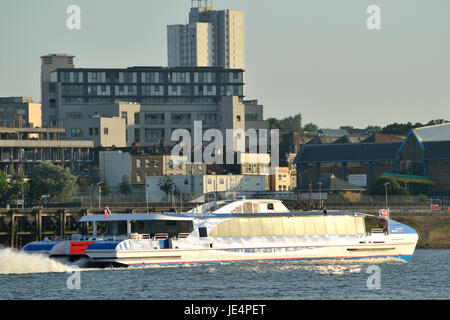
pixel 427 276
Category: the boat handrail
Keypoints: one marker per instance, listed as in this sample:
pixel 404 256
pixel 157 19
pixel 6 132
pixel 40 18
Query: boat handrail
pixel 161 235
pixel 183 235
pixel 67 237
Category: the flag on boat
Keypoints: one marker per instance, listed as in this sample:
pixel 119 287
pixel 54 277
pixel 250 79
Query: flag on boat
pixel 107 212
pixel 383 213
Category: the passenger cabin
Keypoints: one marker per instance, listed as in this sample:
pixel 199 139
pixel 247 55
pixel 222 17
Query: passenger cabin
pixel 242 206
pixel 125 225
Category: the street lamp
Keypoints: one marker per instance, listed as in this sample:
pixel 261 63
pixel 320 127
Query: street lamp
pixel 385 188
pixel 44 197
pixel 99 184
pixel 320 193
pixel 146 195
pixel 25 180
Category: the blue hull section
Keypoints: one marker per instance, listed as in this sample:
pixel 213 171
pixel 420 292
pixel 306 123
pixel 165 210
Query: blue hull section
pixel 103 245
pixel 39 246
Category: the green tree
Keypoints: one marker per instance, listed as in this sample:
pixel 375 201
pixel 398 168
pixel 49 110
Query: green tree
pixel 397 128
pixel 52 180
pixel 393 188
pixel 437 121
pixel 288 124
pixel 373 129
pixel 125 186
pixel 404 128
pixel 18 187
pixel 83 188
pixel 105 188
pixel 4 187
pixel 293 123
pixel 166 184
pixel 274 123
pixel 311 127
pixel 423 198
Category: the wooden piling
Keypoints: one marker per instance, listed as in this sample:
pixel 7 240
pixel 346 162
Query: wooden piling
pixel 13 228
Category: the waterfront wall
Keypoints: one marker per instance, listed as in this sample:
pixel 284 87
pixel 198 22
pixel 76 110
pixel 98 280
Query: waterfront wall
pixel 433 230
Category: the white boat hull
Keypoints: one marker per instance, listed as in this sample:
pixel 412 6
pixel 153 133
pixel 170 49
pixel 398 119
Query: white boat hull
pixel 402 249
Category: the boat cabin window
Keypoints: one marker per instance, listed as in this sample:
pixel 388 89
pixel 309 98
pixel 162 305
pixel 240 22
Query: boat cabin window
pixel 270 206
pixel 289 226
pixel 247 208
pixel 238 209
pixel 202 232
pixel 172 227
pixel 115 228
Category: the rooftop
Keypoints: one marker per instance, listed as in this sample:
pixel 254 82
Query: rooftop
pixel 334 132
pixel 439 132
pixel 15 99
pixel 329 182
pixel 31 130
pixel 347 152
pixel 156 68
pixel 350 139
pixel 434 150
pixel 381 137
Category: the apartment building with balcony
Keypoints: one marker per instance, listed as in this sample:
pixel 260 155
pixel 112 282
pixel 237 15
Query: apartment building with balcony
pixel 20 112
pixel 23 148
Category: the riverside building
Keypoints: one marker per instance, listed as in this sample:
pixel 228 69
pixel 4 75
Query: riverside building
pixel 154 100
pixel 421 162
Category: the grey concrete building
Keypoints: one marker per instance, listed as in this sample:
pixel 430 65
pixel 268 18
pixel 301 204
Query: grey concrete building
pixel 144 85
pixel 154 101
pixel 50 63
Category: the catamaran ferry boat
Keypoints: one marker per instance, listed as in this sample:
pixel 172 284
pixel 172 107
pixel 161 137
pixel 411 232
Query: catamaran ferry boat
pixel 234 231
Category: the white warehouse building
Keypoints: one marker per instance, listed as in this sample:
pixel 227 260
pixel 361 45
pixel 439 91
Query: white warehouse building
pixel 194 187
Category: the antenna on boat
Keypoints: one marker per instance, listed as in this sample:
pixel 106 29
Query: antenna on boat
pixel 181 203
pixel 173 202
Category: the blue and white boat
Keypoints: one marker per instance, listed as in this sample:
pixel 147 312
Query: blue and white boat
pixel 244 231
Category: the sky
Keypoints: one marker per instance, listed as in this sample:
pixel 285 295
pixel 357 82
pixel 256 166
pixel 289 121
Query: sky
pixel 313 57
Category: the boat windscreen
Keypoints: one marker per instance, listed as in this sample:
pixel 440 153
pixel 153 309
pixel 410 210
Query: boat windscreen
pixel 171 227
pixel 115 228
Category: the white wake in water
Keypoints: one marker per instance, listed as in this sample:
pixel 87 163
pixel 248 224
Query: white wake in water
pixel 13 261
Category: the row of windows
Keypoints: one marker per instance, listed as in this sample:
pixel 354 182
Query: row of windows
pixel 143 100
pixel 289 226
pixel 349 164
pixel 151 90
pixel 150 77
pixel 155 163
pixel 179 118
pixel 79 132
pixel 153 135
pixel 148 162
pixel 74 115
